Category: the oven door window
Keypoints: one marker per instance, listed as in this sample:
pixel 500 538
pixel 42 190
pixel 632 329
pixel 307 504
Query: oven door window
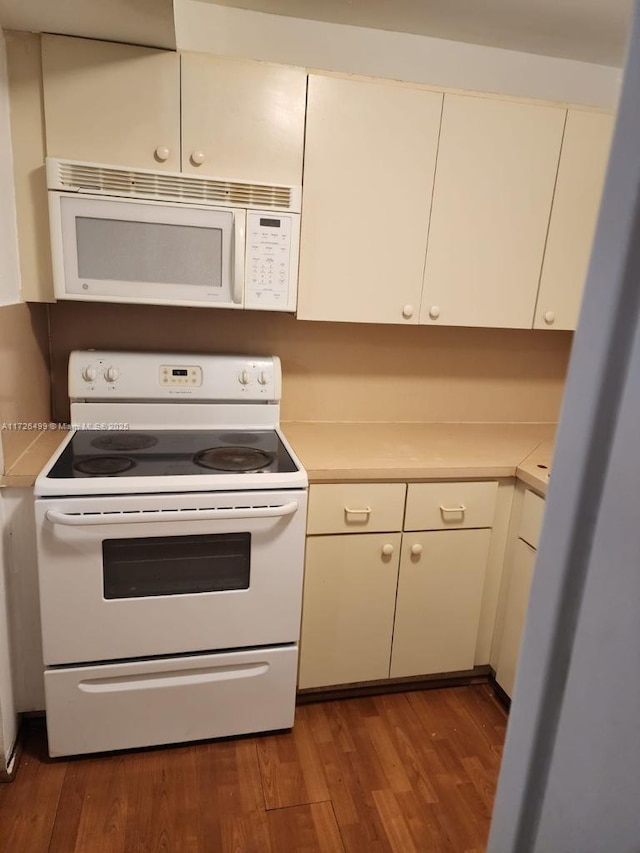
pixel 176 565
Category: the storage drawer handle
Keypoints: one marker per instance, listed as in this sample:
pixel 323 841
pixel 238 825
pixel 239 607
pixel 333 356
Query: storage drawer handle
pixel 461 508
pixel 155 680
pixel 142 516
pixel 364 511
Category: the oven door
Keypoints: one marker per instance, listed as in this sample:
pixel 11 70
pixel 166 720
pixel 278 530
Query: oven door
pixel 124 577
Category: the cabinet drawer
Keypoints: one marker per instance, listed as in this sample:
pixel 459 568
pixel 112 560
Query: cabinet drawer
pixel 356 507
pixel 531 518
pixel 444 506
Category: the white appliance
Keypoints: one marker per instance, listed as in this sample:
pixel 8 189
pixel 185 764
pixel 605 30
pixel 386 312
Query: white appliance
pixel 123 235
pixel 170 535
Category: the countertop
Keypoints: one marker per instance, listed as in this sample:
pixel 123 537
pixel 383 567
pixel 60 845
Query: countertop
pixel 535 470
pixel 338 452
pixel 37 447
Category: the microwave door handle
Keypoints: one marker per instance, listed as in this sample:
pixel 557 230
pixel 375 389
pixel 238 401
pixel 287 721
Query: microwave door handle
pixel 239 234
pixel 148 516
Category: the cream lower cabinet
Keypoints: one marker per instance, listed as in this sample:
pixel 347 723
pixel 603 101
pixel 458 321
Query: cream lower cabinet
pixel 521 575
pixel 390 603
pixel 439 601
pixel 349 602
pixel 529 512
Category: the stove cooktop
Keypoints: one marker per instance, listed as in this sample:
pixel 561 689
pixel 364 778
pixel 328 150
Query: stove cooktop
pixel 169 453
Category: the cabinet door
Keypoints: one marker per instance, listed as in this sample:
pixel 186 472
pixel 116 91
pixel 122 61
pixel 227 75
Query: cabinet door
pixel 347 612
pixel 520 578
pixel 439 601
pixel 497 164
pixel 111 103
pixel 370 155
pixel 585 151
pixel 242 120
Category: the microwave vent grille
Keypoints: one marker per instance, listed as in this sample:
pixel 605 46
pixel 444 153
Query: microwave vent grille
pixel 111 180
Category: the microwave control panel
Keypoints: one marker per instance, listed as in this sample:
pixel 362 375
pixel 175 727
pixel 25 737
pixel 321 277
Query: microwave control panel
pixel 271 260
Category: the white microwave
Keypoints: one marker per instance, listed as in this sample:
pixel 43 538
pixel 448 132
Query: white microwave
pixel 123 235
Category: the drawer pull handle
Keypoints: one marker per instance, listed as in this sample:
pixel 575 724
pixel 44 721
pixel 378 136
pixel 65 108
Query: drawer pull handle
pixel 462 508
pixel 365 511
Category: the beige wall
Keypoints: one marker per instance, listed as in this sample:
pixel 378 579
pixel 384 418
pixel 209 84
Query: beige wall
pixel 24 374
pixel 342 372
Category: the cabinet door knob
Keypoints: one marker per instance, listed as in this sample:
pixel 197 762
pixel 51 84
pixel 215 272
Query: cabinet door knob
pixel 434 312
pixel 407 311
pixel 549 318
pixel 162 153
pixel 197 158
pixel 387 550
pixel 416 550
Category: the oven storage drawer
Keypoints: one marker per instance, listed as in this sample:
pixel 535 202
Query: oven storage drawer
pixel 173 700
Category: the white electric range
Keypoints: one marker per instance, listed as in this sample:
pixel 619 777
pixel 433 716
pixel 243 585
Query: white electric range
pixel 170 532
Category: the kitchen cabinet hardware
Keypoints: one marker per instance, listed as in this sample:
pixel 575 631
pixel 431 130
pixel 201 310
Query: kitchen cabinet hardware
pixel 364 511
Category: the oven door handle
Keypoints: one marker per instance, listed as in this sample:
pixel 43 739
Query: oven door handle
pixel 143 517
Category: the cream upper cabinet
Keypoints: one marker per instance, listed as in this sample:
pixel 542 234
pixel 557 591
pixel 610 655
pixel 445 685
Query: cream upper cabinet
pixel 497 164
pixel 242 120
pixel 370 154
pixel 111 103
pixel 585 152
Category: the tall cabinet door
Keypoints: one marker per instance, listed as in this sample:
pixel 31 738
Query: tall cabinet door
pixel 585 151
pixel 520 578
pixel 497 165
pixel 111 103
pixel 349 597
pixel 439 600
pixel 242 120
pixel 370 154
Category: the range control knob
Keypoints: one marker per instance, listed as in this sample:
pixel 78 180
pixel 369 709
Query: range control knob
pixel 243 377
pixel 89 374
pixel 111 374
pixel 263 379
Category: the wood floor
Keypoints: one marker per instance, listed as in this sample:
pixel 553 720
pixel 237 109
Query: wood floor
pixel 401 772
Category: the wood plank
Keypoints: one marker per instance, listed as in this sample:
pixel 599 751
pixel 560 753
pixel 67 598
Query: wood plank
pixel 28 805
pixel 305 829
pixel 290 765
